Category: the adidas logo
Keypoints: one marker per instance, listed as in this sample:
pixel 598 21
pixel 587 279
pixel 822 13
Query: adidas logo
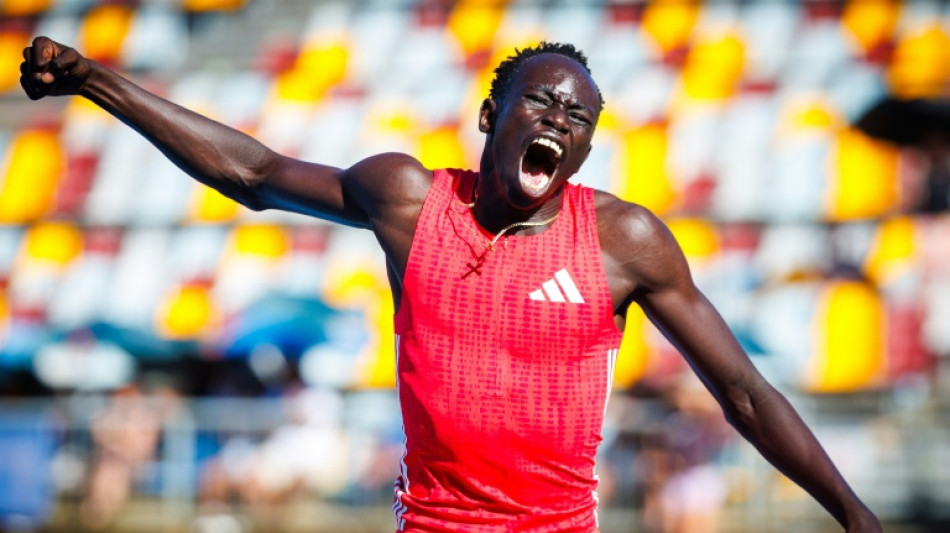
pixel 560 289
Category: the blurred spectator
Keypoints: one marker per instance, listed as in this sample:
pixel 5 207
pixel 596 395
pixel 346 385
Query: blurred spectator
pixel 309 455
pixel 935 197
pixel 686 490
pixel 923 125
pixel 126 436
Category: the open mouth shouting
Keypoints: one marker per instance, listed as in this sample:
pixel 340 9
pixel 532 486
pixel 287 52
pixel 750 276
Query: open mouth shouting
pixel 539 163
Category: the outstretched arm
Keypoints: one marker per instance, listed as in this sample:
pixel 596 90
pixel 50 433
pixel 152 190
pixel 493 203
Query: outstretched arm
pixel 666 292
pixel 219 156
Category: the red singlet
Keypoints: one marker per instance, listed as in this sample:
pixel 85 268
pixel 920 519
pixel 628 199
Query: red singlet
pixel 504 367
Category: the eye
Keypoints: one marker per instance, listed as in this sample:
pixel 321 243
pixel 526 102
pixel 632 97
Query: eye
pixel 536 99
pixel 579 119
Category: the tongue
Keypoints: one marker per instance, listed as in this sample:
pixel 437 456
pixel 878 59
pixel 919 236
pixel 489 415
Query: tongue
pixel 534 178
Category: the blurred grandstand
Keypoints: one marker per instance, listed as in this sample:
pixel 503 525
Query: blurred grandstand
pixel 171 361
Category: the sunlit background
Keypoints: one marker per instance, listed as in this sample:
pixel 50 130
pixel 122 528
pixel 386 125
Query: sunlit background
pixel 171 361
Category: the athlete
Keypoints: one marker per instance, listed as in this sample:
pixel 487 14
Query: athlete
pixel 510 285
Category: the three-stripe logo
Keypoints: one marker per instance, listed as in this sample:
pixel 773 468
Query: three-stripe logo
pixel 560 288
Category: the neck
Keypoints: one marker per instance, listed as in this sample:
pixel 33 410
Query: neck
pixel 494 212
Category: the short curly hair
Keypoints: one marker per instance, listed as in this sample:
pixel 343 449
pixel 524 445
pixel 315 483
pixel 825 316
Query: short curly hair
pixel 506 70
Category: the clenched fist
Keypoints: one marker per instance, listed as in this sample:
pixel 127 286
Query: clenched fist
pixel 52 69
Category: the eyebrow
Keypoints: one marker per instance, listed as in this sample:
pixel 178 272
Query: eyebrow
pixel 566 98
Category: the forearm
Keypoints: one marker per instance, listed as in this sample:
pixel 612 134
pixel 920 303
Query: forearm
pixel 212 153
pixel 767 420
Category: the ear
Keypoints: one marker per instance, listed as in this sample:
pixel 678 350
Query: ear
pixel 486 116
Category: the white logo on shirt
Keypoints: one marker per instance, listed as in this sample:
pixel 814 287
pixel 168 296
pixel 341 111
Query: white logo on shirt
pixel 560 288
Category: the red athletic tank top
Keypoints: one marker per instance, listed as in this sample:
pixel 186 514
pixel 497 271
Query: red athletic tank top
pixel 504 366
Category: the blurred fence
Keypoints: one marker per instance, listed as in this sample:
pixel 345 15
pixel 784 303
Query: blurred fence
pixel 319 461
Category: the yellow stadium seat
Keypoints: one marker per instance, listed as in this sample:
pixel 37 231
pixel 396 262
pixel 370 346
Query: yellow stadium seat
pixel 643 176
pixel 850 350
pixel 52 243
pixel 376 367
pixel 268 241
pixel 474 24
pixel 318 68
pixel 208 205
pixel 893 251
pixel 636 354
pixel 670 23
pixel 698 238
pixel 920 67
pixel 187 313
pixel 713 68
pixel 103 32
pixel 871 22
pixel 608 121
pixel 442 148
pixel 350 285
pixel 11 53
pixel 32 170
pixel 19 8
pixel 864 182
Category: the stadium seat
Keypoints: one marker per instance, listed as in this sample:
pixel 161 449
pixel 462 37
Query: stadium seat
pixel 32 170
pixel 103 31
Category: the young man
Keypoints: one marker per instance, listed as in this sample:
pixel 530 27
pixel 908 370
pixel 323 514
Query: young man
pixel 510 286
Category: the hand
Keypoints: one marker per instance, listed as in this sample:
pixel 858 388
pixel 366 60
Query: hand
pixel 52 69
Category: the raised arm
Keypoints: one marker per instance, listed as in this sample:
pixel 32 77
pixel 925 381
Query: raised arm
pixel 665 290
pixel 219 156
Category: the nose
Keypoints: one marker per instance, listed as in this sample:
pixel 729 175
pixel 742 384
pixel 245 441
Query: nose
pixel 556 118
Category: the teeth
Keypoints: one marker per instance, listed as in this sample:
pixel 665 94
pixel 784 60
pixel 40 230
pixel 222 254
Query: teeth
pixel 550 144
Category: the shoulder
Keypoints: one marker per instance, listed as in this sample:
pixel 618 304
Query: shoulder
pixel 389 171
pixel 388 181
pixel 636 244
pixel 624 225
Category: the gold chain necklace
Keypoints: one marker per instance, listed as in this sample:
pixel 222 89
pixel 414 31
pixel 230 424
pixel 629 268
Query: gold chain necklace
pixel 506 229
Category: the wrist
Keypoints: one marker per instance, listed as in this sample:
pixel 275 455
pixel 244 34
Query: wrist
pixel 861 518
pixel 93 74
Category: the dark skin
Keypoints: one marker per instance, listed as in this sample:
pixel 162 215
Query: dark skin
pixel 551 96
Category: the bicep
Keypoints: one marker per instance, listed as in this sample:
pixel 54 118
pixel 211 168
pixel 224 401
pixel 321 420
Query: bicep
pixel 364 194
pixel 319 190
